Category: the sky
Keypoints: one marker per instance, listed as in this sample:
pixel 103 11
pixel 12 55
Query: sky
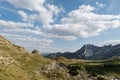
pixel 60 25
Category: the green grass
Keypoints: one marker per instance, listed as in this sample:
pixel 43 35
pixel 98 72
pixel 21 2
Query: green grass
pixel 18 64
pixel 99 67
pixel 25 67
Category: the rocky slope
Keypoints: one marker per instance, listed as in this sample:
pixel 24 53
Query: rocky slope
pixel 16 63
pixel 90 51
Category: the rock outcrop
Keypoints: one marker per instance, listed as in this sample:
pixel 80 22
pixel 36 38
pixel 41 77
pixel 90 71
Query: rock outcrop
pixel 35 51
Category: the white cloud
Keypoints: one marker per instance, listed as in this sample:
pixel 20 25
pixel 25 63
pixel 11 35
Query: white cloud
pixel 68 38
pixel 40 11
pixel 25 4
pixel 29 42
pixel 34 41
pixel 11 24
pixel 54 9
pixel 84 23
pixel 110 42
pixel 100 4
pixel 31 18
pixel 45 11
pixel 23 15
pixel 24 31
pixel 44 45
pixel 20 28
pixel 84 8
pixel 27 39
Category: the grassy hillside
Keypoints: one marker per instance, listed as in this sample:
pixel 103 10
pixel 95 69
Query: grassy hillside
pixel 21 66
pixel 16 63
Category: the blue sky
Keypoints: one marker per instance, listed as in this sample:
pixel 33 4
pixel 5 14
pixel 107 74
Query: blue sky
pixel 60 25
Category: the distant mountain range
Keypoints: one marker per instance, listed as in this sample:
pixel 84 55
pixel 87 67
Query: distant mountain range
pixel 90 52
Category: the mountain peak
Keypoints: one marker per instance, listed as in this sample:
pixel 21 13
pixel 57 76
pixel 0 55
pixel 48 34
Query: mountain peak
pixel 89 45
pixel 87 50
pixel 90 51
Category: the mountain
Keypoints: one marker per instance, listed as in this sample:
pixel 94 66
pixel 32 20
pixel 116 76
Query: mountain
pixel 90 51
pixel 86 51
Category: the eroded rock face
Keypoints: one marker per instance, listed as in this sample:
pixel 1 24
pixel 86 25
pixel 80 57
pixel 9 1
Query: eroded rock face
pixel 86 51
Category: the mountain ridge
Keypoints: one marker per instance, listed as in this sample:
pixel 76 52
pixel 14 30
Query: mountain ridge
pixel 90 51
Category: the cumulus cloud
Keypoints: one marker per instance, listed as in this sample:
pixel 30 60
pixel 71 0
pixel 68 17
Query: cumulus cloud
pixel 34 41
pixel 41 12
pixel 28 40
pixel 110 42
pixel 84 22
pixel 24 31
pixel 23 15
pixel 11 24
pixel 45 12
pixel 44 45
pixel 31 18
pixel 20 28
pixel 68 38
pixel 30 5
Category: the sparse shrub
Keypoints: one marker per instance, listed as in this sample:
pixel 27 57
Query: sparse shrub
pixel 73 70
pixel 73 73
